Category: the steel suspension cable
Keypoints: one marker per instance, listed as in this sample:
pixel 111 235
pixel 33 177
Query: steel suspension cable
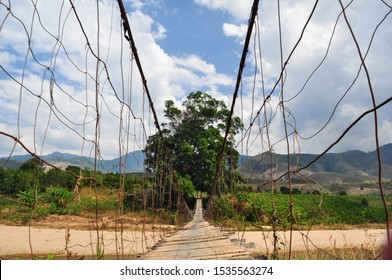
pixel 128 35
pixel 241 67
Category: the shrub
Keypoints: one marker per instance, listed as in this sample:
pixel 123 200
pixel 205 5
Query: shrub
pixel 27 196
pixel 223 207
pixel 58 197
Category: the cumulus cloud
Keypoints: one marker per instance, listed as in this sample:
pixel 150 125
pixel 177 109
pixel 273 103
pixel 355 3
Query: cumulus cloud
pixel 160 32
pixel 239 10
pixel 236 31
pixel 337 79
pixel 136 4
pixel 325 88
pixel 321 88
pixel 194 62
pixel 52 103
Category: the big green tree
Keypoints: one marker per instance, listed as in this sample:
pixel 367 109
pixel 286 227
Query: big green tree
pixel 194 137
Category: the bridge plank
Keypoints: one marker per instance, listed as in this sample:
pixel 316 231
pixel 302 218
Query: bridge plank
pixel 197 240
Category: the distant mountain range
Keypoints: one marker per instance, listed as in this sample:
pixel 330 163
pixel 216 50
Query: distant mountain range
pixel 350 166
pixel 133 162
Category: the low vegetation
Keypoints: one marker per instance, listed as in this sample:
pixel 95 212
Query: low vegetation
pixel 30 193
pixel 255 210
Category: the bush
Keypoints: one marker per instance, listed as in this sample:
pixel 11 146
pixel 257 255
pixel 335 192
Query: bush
pixel 364 202
pixel 58 196
pixel 296 191
pixel 27 196
pixel 284 190
pixel 223 207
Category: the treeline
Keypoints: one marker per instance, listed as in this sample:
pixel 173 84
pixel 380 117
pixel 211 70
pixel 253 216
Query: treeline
pixel 58 190
pixel 31 175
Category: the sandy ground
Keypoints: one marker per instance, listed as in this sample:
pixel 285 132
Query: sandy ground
pixel 315 239
pixel 22 241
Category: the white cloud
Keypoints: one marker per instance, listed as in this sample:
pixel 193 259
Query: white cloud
pixel 240 10
pixel 69 123
pixel 160 32
pixel 311 103
pixel 236 31
pixel 194 62
pixel 173 77
pixel 136 4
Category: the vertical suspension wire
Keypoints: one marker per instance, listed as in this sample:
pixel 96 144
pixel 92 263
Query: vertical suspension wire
pixel 121 169
pixel 254 11
pixel 254 87
pixel 97 134
pixel 285 130
pixel 376 133
pixel 265 126
pixel 99 102
pixel 99 109
pixel 242 130
pixel 129 36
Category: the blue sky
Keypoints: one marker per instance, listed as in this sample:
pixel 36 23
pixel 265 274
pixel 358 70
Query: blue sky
pixel 186 46
pixel 194 29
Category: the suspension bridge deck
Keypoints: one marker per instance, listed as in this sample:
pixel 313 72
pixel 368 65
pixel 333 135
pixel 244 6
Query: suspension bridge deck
pixel 198 240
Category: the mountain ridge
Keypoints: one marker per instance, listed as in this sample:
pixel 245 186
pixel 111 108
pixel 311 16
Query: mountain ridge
pixel 134 162
pixel 353 165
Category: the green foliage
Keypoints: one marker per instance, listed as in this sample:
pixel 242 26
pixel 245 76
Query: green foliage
pixel 55 177
pixel 284 190
pixel 194 136
pixel 87 205
pixel 223 208
pixel 187 186
pixel 364 202
pixel 2 174
pixel 257 208
pixel 32 164
pixel 15 181
pixel 51 192
pixel 343 192
pixel 100 255
pixel 58 196
pixel 27 196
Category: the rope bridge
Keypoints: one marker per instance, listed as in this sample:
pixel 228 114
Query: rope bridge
pixel 69 94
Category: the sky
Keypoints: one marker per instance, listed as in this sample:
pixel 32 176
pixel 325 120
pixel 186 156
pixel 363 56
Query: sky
pixel 52 85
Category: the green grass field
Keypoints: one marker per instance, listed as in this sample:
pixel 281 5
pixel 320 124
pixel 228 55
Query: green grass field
pixel 261 209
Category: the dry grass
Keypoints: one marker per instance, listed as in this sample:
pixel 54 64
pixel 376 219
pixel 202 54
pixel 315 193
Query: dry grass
pixel 346 253
pixel 370 249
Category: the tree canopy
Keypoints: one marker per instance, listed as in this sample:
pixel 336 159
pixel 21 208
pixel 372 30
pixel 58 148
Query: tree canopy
pixel 194 137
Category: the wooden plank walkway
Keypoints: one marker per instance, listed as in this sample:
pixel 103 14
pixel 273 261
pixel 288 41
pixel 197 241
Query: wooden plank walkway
pixel 198 240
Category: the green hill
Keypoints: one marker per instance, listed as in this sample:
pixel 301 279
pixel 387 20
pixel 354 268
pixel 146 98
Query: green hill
pixel 350 166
